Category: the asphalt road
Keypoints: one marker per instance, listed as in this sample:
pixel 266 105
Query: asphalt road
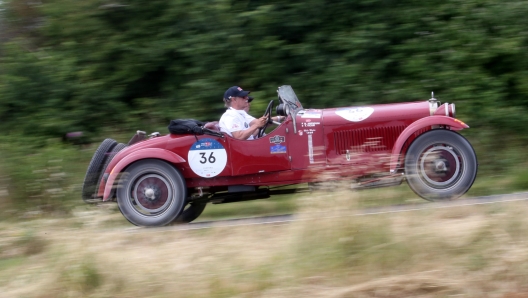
pixel 287 218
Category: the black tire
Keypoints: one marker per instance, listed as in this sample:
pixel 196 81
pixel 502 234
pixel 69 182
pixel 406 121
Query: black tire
pixel 440 165
pixel 151 193
pixel 191 212
pixel 93 173
pixel 110 156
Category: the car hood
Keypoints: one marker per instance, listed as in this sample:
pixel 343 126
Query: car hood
pixel 372 114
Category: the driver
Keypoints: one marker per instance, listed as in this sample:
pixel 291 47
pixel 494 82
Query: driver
pixel 236 122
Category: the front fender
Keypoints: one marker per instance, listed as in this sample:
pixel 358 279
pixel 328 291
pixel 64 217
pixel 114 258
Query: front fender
pixel 452 123
pixel 155 153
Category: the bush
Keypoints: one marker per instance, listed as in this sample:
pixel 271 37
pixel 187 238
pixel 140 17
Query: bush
pixel 42 177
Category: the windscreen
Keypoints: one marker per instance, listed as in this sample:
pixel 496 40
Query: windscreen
pixel 288 95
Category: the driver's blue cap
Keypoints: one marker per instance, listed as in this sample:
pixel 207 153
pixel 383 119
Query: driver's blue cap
pixel 235 91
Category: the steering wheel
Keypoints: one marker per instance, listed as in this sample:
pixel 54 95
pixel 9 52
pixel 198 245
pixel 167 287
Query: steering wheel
pixel 268 114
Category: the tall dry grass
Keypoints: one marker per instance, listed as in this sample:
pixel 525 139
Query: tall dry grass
pixel 471 251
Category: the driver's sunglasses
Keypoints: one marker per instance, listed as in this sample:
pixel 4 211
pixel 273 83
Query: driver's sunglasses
pixel 246 98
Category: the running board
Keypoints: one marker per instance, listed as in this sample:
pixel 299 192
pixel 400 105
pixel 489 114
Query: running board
pixel 264 193
pixel 392 180
pixel 224 198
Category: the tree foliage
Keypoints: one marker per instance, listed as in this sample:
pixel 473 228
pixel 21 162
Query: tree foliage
pixel 86 65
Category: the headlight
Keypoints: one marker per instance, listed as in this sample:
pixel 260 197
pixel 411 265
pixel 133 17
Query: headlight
pixel 452 110
pixel 283 110
pixel 446 110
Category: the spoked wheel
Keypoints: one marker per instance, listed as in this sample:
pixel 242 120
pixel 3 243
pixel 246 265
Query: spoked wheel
pixel 152 193
pixel 191 212
pixel 93 174
pixel 440 165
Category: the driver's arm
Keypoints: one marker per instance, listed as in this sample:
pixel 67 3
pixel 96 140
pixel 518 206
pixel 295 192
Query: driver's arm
pixel 253 129
pixel 276 119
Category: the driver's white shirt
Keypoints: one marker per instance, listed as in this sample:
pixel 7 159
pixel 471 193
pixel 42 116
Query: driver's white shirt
pixel 235 120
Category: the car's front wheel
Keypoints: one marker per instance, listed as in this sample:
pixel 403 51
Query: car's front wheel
pixel 440 165
pixel 151 193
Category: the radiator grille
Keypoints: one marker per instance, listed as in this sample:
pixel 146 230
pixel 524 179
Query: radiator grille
pixel 367 139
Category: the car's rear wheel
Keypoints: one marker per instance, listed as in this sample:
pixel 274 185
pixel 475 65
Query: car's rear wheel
pixel 191 212
pixel 151 193
pixel 440 165
pixel 93 174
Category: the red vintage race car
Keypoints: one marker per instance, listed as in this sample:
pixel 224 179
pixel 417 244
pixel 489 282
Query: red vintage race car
pixel 161 179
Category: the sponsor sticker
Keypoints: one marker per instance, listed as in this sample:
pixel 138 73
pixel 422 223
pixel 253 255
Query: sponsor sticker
pixel 276 149
pixel 355 114
pixel 309 131
pixel 277 139
pixel 207 158
pixel 312 114
pixel 309 123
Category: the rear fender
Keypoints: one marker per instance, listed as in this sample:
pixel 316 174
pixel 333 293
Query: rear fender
pixel 450 123
pixel 155 153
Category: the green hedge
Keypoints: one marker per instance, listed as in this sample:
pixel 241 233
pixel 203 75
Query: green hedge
pixel 107 68
pixel 93 64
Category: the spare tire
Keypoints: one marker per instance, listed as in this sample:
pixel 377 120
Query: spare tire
pixel 93 173
pixel 109 158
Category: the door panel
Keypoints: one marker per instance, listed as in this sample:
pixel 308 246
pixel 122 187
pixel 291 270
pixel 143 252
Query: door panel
pixel 267 154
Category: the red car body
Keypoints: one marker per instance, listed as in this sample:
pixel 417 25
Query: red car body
pixel 367 144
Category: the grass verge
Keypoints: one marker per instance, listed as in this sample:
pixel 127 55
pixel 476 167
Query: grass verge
pixel 470 251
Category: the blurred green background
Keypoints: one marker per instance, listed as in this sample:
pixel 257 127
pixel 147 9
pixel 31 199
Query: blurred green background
pixel 108 68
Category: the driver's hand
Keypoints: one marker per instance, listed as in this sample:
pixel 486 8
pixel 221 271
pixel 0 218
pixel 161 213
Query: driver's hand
pixel 262 121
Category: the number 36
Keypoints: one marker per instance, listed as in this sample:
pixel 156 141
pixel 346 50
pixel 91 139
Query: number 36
pixel 211 158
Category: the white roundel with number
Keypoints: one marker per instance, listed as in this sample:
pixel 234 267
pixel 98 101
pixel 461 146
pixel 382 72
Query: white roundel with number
pixel 355 114
pixel 207 158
